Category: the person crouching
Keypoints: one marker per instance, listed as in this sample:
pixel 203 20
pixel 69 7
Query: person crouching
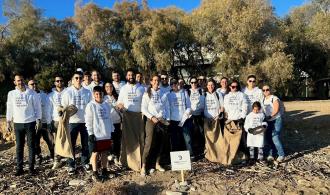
pixel 99 126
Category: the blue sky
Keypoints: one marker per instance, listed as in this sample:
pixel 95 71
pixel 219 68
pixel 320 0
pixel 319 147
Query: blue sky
pixel 65 8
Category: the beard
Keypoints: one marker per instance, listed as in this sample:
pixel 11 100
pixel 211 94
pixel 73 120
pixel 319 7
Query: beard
pixel 131 81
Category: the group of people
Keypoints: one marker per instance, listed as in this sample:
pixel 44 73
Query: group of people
pixel 136 125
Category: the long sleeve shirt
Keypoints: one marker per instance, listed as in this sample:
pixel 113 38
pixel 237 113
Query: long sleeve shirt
pixel 156 105
pixel 235 105
pixel 252 96
pixel 55 99
pixel 213 104
pixel 254 120
pixel 197 100
pixel 93 84
pixel 23 107
pixel 118 86
pixel 114 114
pixel 98 120
pixel 131 97
pixel 179 104
pixel 78 97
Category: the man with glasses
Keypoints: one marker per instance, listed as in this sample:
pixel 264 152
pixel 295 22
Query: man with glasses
pixel 55 98
pixel 78 96
pixel 24 109
pixel 253 92
pixel 164 87
pixel 44 131
pixel 117 84
pixel 197 99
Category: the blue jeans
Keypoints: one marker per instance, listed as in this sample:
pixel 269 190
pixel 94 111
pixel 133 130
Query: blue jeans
pixel 74 129
pixel 273 142
pixel 177 133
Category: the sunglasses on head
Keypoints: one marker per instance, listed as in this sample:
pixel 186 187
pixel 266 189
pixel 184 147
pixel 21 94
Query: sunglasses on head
pixel 265 90
pixel 252 81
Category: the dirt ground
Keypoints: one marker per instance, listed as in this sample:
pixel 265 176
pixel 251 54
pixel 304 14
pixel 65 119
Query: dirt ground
pixel 306 170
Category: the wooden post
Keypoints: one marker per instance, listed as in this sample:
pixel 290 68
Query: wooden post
pixel 182 176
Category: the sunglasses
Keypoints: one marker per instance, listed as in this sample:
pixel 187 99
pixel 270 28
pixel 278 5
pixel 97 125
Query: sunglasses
pixel 234 86
pixel 265 90
pixel 252 81
pixel 78 78
pixel 194 82
pixel 164 78
pixel 57 81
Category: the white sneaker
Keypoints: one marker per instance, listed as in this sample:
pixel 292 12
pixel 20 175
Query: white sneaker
pixel 87 168
pixel 151 171
pixel 160 168
pixel 270 158
pixel 280 159
pixel 111 157
pixel 71 170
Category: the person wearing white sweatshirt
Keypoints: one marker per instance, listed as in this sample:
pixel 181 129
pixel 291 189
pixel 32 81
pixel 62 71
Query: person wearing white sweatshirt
pixel 24 110
pixel 111 98
pixel 156 108
pixel 99 126
pixel 45 131
pixel 129 102
pixel 96 80
pixel 252 92
pixel 180 116
pixel 197 99
pixel 55 98
pixel 78 96
pixel 117 84
pixel 255 141
pixel 164 86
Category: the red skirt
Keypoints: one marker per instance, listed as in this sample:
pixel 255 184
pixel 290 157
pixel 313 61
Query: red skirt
pixel 103 145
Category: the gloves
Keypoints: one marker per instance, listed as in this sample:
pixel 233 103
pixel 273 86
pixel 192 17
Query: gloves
pixel 9 127
pixel 38 124
pixel 221 115
pixel 92 142
pixel 250 130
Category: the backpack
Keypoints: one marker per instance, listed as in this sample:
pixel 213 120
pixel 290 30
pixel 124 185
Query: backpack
pixel 199 91
pixel 281 104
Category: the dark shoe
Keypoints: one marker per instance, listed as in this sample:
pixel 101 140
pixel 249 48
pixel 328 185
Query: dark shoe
pixel 32 172
pixel 104 174
pixel 40 159
pixel 19 172
pixel 96 177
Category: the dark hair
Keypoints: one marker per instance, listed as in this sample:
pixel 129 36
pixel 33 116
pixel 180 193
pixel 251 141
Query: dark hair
pixel 18 74
pixel 97 89
pixel 114 92
pixel 214 83
pixel 130 70
pixel 87 73
pixel 77 72
pixel 115 71
pixel 58 75
pixel 256 105
pixel 191 78
pixel 163 72
pixel 238 84
pixel 138 73
pixel 251 76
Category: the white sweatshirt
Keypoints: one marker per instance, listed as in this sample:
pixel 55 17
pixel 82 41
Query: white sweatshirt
pixel 55 99
pixel 45 107
pixel 252 96
pixel 213 104
pixel 131 97
pixel 179 104
pixel 93 84
pixel 80 98
pixel 235 105
pixel 223 92
pixel 114 114
pixel 23 107
pixel 254 120
pixel 118 86
pixel 197 100
pixel 157 105
pixel 98 120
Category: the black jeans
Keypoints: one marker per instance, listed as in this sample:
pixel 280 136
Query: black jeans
pixel 181 136
pixel 198 134
pixel 22 129
pixel 47 135
pixel 116 140
pixel 75 129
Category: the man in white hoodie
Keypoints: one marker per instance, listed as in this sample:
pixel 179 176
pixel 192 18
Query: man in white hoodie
pixel 96 80
pixel 78 96
pixel 24 109
pixel 45 131
pixel 55 98
pixel 253 93
pixel 117 84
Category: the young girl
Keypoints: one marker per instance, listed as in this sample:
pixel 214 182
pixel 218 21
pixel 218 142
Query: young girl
pixel 99 126
pixel 255 127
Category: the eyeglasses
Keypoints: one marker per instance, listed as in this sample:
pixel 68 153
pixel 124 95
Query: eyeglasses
pixel 264 90
pixel 78 78
pixel 58 81
pixel 163 78
pixel 233 86
pixel 252 81
pixel 193 82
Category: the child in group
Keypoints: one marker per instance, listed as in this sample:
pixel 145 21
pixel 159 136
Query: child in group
pixel 255 128
pixel 99 126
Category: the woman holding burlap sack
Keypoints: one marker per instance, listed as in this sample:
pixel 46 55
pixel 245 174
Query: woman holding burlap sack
pixel 213 112
pixel 235 105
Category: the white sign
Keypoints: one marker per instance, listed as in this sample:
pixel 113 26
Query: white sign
pixel 180 160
